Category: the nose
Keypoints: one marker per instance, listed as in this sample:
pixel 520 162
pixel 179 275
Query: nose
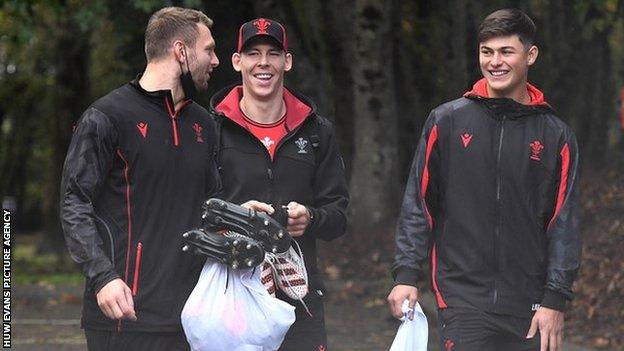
pixel 264 60
pixel 214 62
pixel 497 59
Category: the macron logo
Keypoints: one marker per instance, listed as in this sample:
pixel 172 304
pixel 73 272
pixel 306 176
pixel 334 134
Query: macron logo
pixel 142 129
pixel 466 138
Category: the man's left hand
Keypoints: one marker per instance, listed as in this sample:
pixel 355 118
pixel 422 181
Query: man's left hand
pixel 298 219
pixel 549 322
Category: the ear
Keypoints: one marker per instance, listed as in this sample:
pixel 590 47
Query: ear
pixel 289 62
pixel 179 51
pixel 532 56
pixel 236 58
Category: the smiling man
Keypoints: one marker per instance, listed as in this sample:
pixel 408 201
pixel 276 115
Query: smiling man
pixel 276 151
pixel 492 201
pixel 139 166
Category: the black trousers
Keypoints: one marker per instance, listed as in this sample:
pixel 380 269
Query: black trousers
pixel 102 340
pixel 464 329
pixel 307 332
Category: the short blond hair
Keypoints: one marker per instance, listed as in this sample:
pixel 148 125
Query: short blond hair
pixel 169 24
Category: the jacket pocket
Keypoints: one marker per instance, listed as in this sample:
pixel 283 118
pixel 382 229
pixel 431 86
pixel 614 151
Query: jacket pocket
pixel 137 268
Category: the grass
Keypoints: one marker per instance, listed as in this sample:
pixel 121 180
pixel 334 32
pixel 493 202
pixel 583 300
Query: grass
pixel 29 267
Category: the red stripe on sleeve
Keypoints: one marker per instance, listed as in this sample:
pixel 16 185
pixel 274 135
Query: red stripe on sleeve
pixel 433 137
pixel 563 182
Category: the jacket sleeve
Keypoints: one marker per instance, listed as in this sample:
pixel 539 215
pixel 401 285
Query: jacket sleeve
pixel 413 236
pixel 331 198
pixel 563 231
pixel 89 158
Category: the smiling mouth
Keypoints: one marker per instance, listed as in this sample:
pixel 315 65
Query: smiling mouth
pixel 498 73
pixel 263 76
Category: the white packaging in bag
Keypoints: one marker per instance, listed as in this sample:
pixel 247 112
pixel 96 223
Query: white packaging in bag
pixel 412 334
pixel 232 310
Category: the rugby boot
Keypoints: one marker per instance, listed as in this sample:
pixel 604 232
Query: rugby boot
pixel 257 225
pixel 230 248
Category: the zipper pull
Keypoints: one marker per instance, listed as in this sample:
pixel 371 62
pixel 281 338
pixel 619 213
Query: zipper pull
pixel 270 173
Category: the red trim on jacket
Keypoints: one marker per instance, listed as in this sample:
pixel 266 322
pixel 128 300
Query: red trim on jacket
pixel 137 268
pixel 434 279
pixel 563 181
pixel 480 89
pixel 129 214
pixel 173 113
pixel 296 110
pixel 433 137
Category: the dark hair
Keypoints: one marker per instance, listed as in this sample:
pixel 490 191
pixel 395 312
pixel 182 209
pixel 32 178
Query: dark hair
pixel 169 24
pixel 507 22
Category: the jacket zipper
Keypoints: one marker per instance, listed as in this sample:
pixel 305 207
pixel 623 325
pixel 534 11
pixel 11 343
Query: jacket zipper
pixel 137 268
pixel 499 211
pixel 173 114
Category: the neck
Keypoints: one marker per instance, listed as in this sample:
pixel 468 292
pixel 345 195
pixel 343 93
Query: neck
pixel 163 75
pixel 519 94
pixel 265 111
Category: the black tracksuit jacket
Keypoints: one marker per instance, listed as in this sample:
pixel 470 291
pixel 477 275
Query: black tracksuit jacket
pixel 492 200
pixel 134 179
pixel 307 168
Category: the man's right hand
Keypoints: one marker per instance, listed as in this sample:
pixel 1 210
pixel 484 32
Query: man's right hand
pixel 399 294
pixel 115 300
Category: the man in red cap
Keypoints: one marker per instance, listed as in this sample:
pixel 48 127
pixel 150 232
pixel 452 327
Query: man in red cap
pixel 492 199
pixel 275 150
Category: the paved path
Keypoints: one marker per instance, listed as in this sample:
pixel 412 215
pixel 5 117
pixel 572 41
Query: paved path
pixel 46 318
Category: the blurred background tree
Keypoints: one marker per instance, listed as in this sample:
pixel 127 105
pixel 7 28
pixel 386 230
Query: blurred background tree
pixel 374 68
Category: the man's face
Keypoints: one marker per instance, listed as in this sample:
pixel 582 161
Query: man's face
pixel 505 64
pixel 202 58
pixel 262 66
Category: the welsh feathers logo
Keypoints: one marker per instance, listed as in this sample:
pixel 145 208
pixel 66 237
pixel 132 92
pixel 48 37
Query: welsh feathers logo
pixel 262 25
pixel 198 133
pixel 301 144
pixel 267 142
pixel 536 149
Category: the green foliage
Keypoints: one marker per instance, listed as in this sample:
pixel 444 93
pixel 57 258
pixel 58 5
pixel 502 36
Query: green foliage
pixel 30 267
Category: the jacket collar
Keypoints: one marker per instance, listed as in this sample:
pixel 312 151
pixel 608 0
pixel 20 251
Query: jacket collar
pixel 163 98
pixel 509 107
pixel 226 102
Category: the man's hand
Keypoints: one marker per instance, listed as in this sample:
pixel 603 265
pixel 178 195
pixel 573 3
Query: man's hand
pixel 549 322
pixel 258 206
pixel 298 219
pixel 115 300
pixel 396 297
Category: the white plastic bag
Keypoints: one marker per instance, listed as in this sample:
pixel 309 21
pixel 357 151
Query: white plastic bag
pixel 241 317
pixel 412 334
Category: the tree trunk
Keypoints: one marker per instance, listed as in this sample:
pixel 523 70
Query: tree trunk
pixel 69 94
pixel 374 180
